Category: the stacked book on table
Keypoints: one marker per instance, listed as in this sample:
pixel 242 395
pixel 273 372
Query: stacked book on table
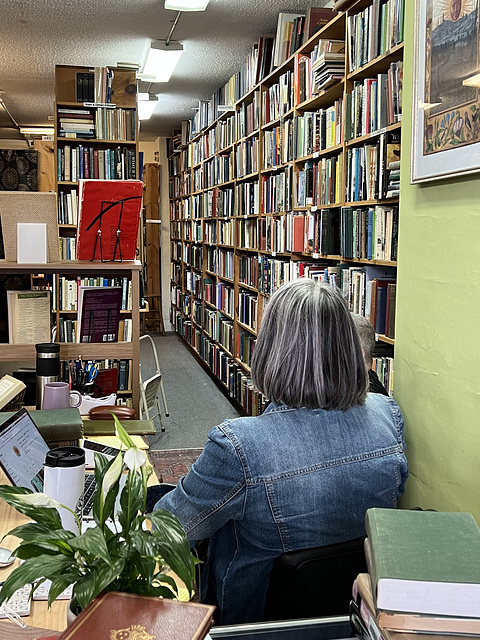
pixel 424 576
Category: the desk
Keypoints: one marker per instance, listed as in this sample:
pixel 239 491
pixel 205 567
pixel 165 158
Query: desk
pixel 40 615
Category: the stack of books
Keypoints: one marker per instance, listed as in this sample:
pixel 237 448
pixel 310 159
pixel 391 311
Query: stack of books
pixel 424 575
pixel 328 69
pixel 393 179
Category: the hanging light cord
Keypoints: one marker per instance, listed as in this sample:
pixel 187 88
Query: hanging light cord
pixel 167 41
pixel 9 114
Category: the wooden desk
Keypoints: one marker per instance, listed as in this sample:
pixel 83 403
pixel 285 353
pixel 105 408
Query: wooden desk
pixel 40 616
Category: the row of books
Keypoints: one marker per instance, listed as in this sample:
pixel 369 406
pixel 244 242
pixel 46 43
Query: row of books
pixel 367 168
pixel 103 123
pixel 94 86
pixel 423 575
pixel 319 182
pixel 219 261
pixel 375 103
pixel 79 162
pixel 374 31
pixel 67 207
pixel 68 329
pixel 69 288
pixel 368 233
pixel 308 81
pixel 67 247
pixel 265 55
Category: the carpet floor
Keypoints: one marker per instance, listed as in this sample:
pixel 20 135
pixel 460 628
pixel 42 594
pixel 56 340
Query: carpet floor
pixel 170 465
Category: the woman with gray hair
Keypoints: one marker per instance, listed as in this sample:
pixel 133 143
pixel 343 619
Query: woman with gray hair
pixel 303 473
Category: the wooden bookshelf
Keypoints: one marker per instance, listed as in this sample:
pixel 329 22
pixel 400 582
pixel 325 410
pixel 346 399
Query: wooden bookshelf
pixel 242 218
pixel 93 351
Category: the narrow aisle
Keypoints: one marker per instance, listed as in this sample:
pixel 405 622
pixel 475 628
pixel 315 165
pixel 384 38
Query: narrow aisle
pixel 195 403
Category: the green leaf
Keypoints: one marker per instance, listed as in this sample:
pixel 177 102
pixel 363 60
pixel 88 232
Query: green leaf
pixel 58 586
pixel 97 580
pixel 15 497
pixel 32 550
pixel 173 546
pixel 34 532
pixel 43 566
pixel 93 542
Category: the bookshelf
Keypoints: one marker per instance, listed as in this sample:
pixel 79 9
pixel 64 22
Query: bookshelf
pixel 292 179
pixel 93 351
pixel 95 135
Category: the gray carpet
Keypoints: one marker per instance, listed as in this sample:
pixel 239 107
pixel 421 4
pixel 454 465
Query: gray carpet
pixel 195 403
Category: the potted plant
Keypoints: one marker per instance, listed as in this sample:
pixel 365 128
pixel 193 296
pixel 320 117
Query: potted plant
pixel 117 554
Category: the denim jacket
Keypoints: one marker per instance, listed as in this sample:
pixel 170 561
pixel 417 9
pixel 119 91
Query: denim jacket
pixel 288 479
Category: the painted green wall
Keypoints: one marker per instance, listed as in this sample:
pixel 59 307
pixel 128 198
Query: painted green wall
pixel 437 346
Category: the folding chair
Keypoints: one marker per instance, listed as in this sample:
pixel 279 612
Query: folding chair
pixel 150 389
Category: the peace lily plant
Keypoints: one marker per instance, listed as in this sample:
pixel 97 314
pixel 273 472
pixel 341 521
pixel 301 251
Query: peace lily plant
pixel 117 554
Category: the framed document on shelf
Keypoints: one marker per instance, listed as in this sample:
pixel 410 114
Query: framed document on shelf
pixel 108 219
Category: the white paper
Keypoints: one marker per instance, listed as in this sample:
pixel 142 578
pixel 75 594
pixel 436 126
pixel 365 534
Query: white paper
pixel 32 242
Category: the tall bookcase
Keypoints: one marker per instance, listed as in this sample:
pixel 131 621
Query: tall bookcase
pixel 298 178
pixel 95 135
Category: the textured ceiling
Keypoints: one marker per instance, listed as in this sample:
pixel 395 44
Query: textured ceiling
pixel 35 35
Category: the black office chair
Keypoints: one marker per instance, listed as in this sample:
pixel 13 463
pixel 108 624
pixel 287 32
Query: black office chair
pixel 314 582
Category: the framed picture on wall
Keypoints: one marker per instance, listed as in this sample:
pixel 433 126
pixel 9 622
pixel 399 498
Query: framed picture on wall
pixel 446 91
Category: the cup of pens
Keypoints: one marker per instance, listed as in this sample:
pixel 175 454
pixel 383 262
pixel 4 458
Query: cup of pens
pixel 82 376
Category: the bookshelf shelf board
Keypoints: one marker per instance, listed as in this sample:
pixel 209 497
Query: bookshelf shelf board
pixel 72 266
pixel 378 65
pixel 229 280
pixel 322 99
pixel 386 339
pixel 248 249
pixel 279 167
pixel 246 326
pixel 277 121
pixel 242 364
pixel 396 126
pixel 383 263
pixel 68 351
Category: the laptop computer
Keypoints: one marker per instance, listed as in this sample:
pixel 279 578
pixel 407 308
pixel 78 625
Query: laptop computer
pixel 22 454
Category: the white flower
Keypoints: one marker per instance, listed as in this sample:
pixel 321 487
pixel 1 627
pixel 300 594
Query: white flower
pixel 112 476
pixel 134 459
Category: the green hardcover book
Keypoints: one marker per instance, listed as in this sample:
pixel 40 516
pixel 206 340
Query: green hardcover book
pixel 425 562
pixel 55 425
pixel 107 427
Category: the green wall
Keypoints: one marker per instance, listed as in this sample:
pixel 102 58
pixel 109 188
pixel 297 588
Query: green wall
pixel 437 346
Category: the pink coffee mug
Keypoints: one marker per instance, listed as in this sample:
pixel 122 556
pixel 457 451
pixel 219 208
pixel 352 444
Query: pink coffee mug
pixel 57 395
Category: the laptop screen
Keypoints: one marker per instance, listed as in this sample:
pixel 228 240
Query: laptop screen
pixel 22 451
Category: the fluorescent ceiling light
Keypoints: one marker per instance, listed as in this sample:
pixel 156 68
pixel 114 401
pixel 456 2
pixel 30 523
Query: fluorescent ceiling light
pixel 161 60
pixel 186 5
pixel 36 131
pixel 146 105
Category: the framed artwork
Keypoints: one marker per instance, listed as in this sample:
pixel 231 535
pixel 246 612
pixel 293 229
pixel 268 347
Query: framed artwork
pixel 446 92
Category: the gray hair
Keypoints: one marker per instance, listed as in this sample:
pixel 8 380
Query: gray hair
pixel 308 353
pixel 366 333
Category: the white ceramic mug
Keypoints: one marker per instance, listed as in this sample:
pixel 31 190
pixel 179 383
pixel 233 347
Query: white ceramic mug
pixel 57 395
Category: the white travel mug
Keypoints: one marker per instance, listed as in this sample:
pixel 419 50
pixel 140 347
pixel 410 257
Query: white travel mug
pixel 64 479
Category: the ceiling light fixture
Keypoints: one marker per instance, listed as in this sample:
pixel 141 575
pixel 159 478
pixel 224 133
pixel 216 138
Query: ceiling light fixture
pixel 186 5
pixel 161 61
pixel 36 131
pixel 146 105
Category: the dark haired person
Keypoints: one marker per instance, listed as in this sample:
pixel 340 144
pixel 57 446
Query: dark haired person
pixel 303 473
pixel 366 333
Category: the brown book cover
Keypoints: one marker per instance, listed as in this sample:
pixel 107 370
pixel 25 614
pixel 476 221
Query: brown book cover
pixel 114 615
pixel 317 17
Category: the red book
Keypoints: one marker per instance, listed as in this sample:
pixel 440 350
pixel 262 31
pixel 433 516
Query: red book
pixel 298 233
pixel 108 217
